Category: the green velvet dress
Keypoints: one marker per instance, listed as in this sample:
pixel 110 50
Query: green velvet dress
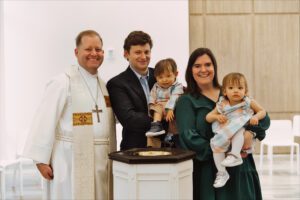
pixel 195 134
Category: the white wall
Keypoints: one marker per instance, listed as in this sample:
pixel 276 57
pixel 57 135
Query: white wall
pixel 39 41
pixel 2 123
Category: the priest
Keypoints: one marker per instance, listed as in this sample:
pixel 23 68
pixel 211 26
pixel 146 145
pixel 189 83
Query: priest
pixel 74 129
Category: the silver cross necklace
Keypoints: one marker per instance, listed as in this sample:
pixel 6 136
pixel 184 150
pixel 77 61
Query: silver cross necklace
pixel 96 110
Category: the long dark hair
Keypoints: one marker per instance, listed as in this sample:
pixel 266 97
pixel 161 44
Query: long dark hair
pixel 192 87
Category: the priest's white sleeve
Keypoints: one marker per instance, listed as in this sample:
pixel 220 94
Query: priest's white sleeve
pixel 41 137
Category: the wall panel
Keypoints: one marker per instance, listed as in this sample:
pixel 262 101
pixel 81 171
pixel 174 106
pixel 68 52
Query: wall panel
pixel 277 62
pixel 259 38
pixel 229 37
pixel 195 6
pixel 225 6
pixel 276 6
pixel 196 33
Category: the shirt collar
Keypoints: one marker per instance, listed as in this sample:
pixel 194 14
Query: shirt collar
pixel 86 73
pixel 139 75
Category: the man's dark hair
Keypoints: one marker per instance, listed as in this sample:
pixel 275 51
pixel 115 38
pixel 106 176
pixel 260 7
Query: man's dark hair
pixel 137 38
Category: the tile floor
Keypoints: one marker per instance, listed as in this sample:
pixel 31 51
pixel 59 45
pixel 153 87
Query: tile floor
pixel 284 184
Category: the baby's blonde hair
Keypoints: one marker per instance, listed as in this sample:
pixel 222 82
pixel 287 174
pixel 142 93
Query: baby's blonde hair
pixel 234 78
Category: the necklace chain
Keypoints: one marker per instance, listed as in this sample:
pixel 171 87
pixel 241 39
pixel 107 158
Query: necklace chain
pixel 85 82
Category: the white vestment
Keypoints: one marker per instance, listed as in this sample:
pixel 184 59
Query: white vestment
pixel 50 137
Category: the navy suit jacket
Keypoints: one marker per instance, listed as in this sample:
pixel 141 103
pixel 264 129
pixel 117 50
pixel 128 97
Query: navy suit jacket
pixel 129 104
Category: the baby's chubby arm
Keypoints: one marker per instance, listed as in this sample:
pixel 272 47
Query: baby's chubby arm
pixel 259 111
pixel 215 116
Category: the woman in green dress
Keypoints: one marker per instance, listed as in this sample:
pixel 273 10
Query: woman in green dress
pixel 202 93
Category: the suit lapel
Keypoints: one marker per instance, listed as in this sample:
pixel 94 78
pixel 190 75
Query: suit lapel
pixel 151 80
pixel 135 84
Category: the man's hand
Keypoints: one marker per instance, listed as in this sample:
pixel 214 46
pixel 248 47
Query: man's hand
pixel 169 115
pixel 45 170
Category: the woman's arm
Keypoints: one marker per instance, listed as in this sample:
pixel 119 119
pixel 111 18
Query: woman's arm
pixel 190 138
pixel 260 129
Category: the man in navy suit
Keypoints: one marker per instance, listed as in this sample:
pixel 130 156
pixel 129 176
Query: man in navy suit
pixel 129 91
